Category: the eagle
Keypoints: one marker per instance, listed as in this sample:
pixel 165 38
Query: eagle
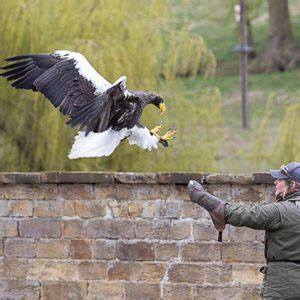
pixel 105 113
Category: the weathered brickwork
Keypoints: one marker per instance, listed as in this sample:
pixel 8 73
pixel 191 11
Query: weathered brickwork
pixel 125 236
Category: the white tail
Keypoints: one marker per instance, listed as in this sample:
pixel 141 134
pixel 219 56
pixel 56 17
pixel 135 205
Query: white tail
pixel 96 144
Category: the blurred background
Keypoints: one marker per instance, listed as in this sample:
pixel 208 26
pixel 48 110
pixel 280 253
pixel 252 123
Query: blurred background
pixel 187 51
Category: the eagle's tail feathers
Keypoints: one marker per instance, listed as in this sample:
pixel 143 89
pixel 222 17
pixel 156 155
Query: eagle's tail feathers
pixel 96 144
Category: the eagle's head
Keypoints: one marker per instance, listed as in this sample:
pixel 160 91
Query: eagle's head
pixel 156 100
pixel 148 97
pixel 159 102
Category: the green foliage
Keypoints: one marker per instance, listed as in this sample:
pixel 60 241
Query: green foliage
pixel 259 152
pixel 288 141
pixel 137 38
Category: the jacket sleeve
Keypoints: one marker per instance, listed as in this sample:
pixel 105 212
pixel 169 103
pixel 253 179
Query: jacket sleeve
pixel 256 217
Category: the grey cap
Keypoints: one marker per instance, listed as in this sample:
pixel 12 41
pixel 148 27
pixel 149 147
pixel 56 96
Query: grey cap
pixel 289 171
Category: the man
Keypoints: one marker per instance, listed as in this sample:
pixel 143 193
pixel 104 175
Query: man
pixel 281 220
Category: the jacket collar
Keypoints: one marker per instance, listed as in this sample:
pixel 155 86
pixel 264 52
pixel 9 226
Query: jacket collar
pixel 293 196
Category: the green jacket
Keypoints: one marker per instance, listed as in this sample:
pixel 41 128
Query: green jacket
pixel 281 220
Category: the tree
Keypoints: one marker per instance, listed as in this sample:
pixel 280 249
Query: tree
pixel 281 52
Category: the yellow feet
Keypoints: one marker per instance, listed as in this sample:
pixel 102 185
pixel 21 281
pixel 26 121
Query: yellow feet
pixel 156 129
pixel 169 135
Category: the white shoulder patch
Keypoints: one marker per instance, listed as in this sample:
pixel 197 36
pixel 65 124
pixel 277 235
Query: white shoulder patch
pixel 86 70
pixel 141 137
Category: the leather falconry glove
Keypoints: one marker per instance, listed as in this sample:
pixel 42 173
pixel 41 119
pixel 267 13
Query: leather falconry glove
pixel 212 204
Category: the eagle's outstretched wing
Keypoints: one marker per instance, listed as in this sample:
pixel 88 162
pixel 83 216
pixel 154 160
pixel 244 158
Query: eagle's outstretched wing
pixel 69 81
pixel 108 112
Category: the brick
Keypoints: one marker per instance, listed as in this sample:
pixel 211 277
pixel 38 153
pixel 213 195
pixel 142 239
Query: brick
pixel 106 290
pixel 156 230
pixel 116 191
pixel 149 209
pixel 180 193
pixel 169 209
pixel 153 272
pixel 251 292
pixel 19 248
pixel 1 190
pixel 216 274
pixel 135 291
pixel 248 193
pixel 204 230
pixel 76 177
pixel 19 289
pixel 179 177
pixel 148 178
pixel 242 252
pixel 150 192
pixel 4 210
pixel 192 210
pixel 104 191
pixel 8 227
pixel 117 209
pixel 69 208
pixel 74 228
pixel 177 292
pixel 242 234
pixel 150 272
pixel 104 249
pixel 260 235
pixel 166 251
pixel 180 230
pixel 21 208
pixel 63 290
pixel 186 273
pixel 91 270
pixel 52 248
pixel 47 209
pixel 110 228
pixel 40 227
pixel 125 271
pixel 54 270
pixel 135 251
pixel 16 177
pixel 228 179
pixel 135 209
pixel 153 192
pixel 201 252
pixel 90 209
pixel 221 191
pixel 30 191
pixel 264 178
pixel 14 268
pixel 80 249
pixel 142 209
pixel 246 274
pixel 213 292
pixel 76 191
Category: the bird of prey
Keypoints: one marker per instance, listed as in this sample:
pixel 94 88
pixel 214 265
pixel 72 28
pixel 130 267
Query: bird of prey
pixel 105 113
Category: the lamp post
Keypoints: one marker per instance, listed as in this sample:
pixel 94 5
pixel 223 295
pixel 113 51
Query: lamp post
pixel 243 48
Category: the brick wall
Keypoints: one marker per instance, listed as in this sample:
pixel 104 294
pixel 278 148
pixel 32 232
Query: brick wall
pixel 125 236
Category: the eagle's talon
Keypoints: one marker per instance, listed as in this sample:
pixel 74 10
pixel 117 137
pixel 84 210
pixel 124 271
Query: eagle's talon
pixel 169 135
pixel 156 129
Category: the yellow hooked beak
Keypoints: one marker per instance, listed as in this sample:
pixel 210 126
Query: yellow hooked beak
pixel 162 107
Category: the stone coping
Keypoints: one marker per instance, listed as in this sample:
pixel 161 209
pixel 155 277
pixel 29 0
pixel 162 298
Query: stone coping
pixel 180 178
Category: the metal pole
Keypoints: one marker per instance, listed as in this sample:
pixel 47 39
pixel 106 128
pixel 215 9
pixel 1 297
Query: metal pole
pixel 244 63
